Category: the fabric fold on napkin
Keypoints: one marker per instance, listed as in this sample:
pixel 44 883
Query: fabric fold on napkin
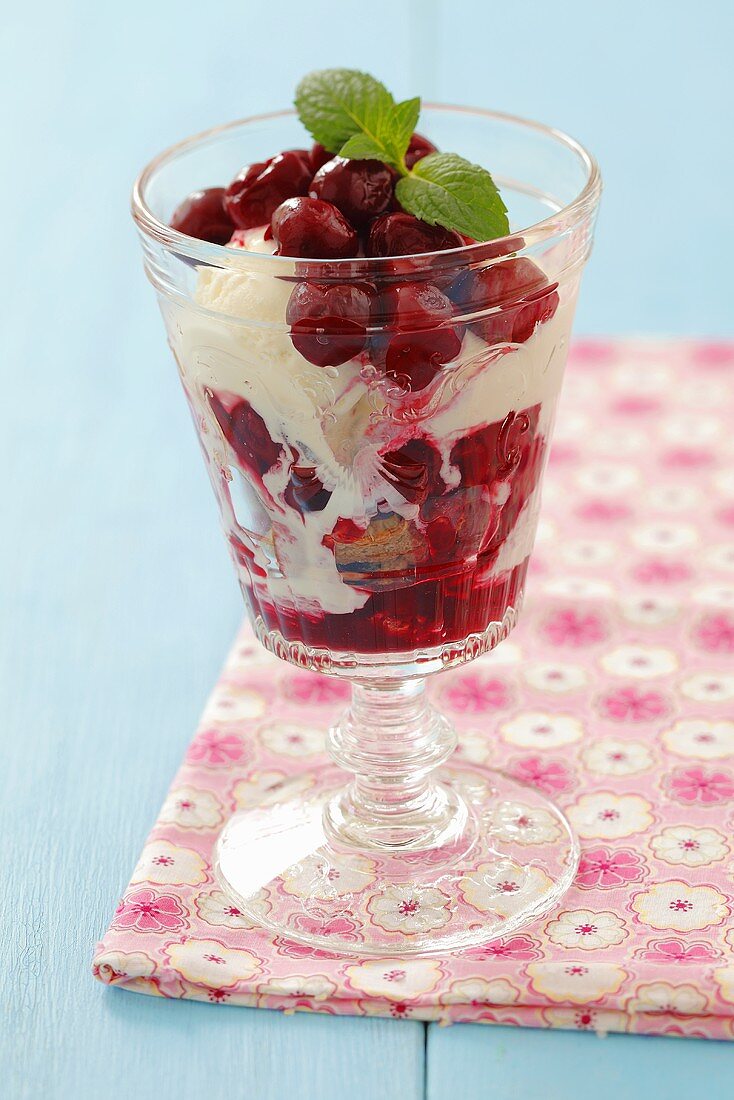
pixel 614 695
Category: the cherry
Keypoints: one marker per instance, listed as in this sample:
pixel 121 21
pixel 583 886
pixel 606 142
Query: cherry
pixel 441 537
pixel 305 491
pixel 313 229
pixel 361 189
pixel 422 342
pixel 414 470
pixel 246 432
pixel 518 291
pixel 398 234
pixel 319 156
pixel 419 148
pixel 329 323
pixel 254 194
pixel 202 214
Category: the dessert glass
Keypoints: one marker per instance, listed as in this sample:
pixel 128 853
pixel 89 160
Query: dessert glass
pixel 380 521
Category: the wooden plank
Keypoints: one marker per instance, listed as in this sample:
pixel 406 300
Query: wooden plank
pixel 478 1062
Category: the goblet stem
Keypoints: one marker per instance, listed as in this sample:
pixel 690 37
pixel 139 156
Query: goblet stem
pixel 393 739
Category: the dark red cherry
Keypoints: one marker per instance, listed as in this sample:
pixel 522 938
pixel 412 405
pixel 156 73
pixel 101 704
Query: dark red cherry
pixel 398 234
pixel 329 323
pixel 418 341
pixel 441 538
pixel 319 156
pixel 361 189
pixel 246 432
pixel 517 291
pixel 203 215
pixel 414 470
pixel 313 229
pixel 419 148
pixel 305 491
pixel 254 194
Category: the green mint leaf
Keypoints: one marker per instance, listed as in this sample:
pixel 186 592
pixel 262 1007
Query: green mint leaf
pixel 402 123
pixel 336 104
pixel 445 189
pixel 362 147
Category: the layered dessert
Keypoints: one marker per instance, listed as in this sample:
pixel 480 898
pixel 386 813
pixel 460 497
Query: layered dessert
pixel 374 410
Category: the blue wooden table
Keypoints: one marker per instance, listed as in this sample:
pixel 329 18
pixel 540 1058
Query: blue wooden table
pixel 116 599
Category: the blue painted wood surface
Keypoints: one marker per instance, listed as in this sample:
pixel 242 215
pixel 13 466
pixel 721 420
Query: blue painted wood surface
pixel 116 599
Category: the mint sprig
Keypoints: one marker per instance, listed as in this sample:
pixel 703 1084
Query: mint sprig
pixel 353 114
pixel 444 189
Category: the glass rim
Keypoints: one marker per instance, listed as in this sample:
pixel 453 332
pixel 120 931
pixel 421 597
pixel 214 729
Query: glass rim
pixel 220 255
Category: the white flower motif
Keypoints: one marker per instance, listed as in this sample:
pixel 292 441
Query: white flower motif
pixel 688 845
pixel 268 787
pixel 662 997
pixel 217 909
pixel 473 746
pixel 536 729
pixel 676 904
pixel 724 978
pixel 318 877
pixel 607 477
pixel 410 909
pixel 479 991
pixel 721 557
pixel 715 595
pixel 394 979
pixel 555 677
pixel 672 498
pixel 649 610
pixel 122 966
pixel 192 808
pixel 233 702
pixel 664 536
pixel 607 816
pixel 724 482
pixel 509 653
pixel 695 430
pixel 654 379
pixel 316 986
pixel 700 738
pixel 588 552
pixel 610 757
pixel 502 887
pixel 709 687
pixel 601 1021
pixel 585 930
pixel 289 739
pixel 577 983
pixel 514 821
pixel 167 864
pixel 639 661
pixel 210 963
pixel 581 588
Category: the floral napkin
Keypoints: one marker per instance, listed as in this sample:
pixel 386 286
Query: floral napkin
pixel 615 695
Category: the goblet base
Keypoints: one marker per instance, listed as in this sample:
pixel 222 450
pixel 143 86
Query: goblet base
pixel 510 860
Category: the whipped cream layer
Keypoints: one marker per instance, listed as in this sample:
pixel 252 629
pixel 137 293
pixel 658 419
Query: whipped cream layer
pixel 233 341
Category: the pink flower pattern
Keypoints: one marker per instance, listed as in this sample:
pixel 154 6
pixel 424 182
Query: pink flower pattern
pixel 550 776
pixel 473 694
pixel 657 571
pixel 146 911
pixel 215 748
pixel 667 951
pixel 573 628
pixel 632 704
pixel 589 625
pixel 703 785
pixel 604 869
pixel 715 633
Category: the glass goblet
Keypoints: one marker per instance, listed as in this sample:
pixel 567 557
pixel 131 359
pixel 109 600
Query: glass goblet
pixel 378 475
